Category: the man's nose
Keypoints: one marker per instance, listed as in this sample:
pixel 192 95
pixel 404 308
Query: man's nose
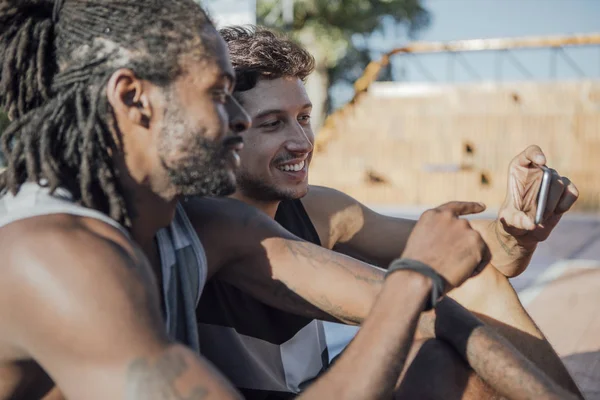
pixel 239 120
pixel 301 142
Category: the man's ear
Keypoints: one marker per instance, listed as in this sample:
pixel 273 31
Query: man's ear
pixel 129 98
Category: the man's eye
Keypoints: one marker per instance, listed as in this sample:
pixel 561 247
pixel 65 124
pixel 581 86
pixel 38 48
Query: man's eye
pixel 305 119
pixel 271 125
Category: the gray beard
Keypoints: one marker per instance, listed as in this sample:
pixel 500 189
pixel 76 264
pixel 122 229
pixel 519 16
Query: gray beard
pixel 206 173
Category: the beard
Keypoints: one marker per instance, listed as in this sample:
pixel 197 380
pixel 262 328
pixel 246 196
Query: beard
pixel 195 165
pixel 206 172
pixel 257 189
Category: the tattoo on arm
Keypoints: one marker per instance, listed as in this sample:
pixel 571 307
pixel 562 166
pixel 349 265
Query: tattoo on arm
pixel 308 255
pixel 157 380
pixel 305 252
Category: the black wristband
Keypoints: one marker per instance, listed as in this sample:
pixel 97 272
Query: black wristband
pixel 438 283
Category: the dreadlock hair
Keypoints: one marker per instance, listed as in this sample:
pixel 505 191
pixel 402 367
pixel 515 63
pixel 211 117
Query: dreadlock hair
pixel 55 64
pixel 259 53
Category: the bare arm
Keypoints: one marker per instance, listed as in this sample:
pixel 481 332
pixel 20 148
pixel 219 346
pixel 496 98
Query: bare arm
pixel 254 253
pixel 372 236
pixel 492 298
pixel 84 306
pixel 347 226
pixel 370 367
pixel 381 346
pixel 504 369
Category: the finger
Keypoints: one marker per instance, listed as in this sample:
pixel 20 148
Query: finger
pixel 568 198
pixel 459 208
pixel 532 154
pixel 518 220
pixel 557 188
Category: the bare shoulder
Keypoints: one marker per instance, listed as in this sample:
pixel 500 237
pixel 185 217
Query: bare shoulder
pixel 61 239
pixel 77 301
pixel 333 213
pixel 327 199
pixel 68 269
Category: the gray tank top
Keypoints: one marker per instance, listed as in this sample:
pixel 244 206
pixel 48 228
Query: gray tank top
pixel 183 260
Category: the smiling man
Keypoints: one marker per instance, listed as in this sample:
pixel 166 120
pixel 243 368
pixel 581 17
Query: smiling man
pixel 284 352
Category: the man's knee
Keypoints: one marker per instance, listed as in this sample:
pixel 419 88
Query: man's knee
pixel 437 372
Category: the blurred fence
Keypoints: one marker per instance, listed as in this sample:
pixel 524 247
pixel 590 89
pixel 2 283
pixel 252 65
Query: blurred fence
pixel 424 144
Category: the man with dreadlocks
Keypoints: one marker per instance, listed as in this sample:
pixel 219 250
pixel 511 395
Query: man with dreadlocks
pixel 119 109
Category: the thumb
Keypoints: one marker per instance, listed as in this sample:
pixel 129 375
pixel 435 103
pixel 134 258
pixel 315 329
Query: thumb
pixel 459 208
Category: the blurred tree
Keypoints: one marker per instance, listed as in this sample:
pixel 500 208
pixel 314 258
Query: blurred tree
pixel 326 28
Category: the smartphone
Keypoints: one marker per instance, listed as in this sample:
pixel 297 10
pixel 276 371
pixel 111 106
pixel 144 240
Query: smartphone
pixel 542 198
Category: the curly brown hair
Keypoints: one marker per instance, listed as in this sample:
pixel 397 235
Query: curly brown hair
pixel 259 53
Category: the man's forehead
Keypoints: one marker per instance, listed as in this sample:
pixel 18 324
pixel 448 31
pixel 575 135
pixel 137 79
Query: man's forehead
pixel 275 94
pixel 223 60
pixel 212 62
pixel 209 71
pixel 218 52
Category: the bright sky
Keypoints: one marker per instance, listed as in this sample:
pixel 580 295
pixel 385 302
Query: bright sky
pixel 475 19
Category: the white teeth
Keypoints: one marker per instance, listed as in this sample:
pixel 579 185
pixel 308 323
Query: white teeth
pixel 295 167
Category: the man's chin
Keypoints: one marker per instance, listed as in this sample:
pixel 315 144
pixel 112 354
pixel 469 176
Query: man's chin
pixel 303 193
pixel 293 193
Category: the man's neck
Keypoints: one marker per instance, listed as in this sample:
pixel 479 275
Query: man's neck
pixel 268 207
pixel 149 213
pixel 148 210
